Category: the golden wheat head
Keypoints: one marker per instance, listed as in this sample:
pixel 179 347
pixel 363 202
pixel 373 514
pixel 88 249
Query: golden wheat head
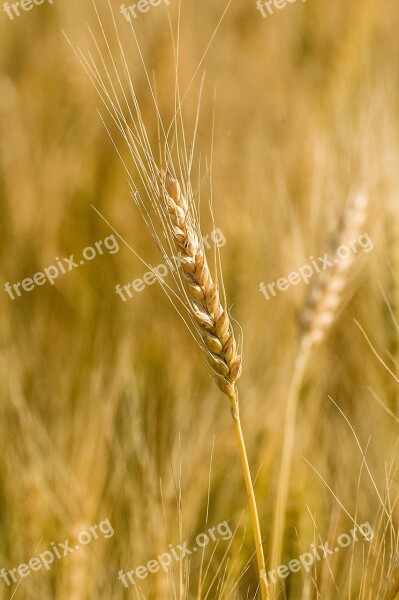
pixel 203 297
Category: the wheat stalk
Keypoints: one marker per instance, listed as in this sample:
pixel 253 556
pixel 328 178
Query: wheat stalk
pixel 219 343
pixel 320 310
pixel 171 215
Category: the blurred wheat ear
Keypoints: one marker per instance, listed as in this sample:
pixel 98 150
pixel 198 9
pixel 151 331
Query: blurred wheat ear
pixel 321 308
pixel 325 296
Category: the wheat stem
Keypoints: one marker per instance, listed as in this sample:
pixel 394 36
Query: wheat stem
pixel 251 497
pixel 324 300
pixel 287 452
pixel 213 324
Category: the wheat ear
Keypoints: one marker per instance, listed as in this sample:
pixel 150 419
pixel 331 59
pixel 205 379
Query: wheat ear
pixel 320 310
pixel 217 334
pixel 325 297
pixel 219 343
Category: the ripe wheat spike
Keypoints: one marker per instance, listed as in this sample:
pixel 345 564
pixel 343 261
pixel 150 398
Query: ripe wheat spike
pixel 219 343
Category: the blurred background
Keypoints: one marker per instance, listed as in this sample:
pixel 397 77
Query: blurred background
pixel 107 408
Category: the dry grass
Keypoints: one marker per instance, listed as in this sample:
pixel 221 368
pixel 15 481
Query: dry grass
pixel 99 418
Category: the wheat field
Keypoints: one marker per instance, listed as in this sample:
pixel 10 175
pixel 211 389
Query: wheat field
pixel 116 445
